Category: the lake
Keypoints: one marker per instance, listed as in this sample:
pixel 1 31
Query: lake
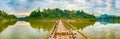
pixel 40 30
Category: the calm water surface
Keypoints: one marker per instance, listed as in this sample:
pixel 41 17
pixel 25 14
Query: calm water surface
pixel 29 30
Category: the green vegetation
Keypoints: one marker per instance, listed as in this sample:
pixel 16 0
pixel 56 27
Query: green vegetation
pixel 55 14
pixel 6 20
pixel 4 17
pixel 44 25
pixel 4 25
pixel 79 25
pixel 82 25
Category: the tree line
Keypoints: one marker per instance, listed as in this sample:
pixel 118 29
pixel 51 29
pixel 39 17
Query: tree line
pixel 5 16
pixel 59 14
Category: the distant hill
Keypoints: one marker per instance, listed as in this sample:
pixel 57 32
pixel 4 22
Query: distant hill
pixel 105 16
pixel 109 18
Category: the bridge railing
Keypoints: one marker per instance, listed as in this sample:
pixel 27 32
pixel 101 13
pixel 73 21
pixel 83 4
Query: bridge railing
pixel 85 37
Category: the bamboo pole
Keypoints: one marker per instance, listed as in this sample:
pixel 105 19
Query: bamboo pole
pixel 78 31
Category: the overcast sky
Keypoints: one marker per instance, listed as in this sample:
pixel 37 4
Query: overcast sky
pixel 97 7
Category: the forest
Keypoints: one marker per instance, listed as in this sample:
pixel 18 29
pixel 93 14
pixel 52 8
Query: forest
pixel 7 17
pixel 57 13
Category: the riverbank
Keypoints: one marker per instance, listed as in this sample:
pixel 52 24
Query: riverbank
pixel 66 20
pixel 8 20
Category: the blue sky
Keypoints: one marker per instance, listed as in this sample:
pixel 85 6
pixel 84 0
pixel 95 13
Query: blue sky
pixel 97 7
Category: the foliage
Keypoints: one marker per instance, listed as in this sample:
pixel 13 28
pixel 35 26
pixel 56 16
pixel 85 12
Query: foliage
pixel 5 16
pixel 12 17
pixel 59 14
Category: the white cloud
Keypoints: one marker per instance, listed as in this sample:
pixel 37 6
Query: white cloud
pixel 22 14
pixel 5 7
pixel 118 3
pixel 90 6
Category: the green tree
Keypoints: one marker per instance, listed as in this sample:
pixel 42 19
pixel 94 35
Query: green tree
pixel 58 13
pixel 12 17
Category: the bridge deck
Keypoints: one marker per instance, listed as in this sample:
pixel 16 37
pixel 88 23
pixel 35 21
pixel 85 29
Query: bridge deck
pixel 60 32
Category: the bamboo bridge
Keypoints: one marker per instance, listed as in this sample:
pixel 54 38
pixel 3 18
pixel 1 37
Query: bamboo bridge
pixel 59 31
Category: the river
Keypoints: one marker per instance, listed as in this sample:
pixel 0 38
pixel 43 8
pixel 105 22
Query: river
pixel 29 30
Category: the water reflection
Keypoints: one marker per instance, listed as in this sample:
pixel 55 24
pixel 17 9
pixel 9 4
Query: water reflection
pixel 108 21
pixel 21 30
pixel 4 25
pixel 101 31
pixel 46 26
pixel 39 30
pixel 26 30
pixel 82 25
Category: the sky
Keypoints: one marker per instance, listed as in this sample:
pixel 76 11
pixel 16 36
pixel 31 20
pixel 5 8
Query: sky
pixel 96 7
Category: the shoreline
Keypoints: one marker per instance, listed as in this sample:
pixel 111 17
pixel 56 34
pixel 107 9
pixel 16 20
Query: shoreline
pixel 68 20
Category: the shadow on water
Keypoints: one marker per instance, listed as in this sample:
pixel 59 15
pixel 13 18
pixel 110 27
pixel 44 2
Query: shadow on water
pixel 4 25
